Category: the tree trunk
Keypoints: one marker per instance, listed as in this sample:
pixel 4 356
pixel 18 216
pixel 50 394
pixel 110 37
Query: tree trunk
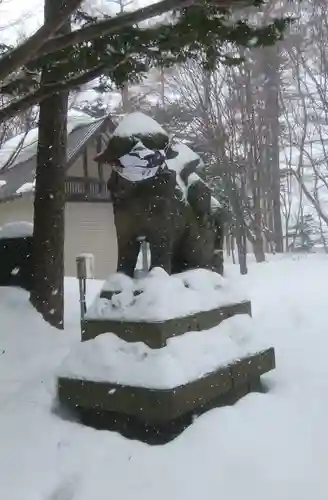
pixel 126 104
pixel 273 132
pixel 162 86
pixel 241 242
pixel 258 246
pixel 232 243
pixel 258 250
pixel 47 295
pixel 242 253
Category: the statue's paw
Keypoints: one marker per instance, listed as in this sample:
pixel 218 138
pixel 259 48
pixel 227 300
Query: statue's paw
pixel 123 299
pixel 118 282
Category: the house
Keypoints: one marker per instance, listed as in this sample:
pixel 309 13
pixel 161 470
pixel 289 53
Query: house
pixel 89 222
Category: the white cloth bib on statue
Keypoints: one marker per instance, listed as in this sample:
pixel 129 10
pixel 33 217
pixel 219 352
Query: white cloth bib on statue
pixel 140 164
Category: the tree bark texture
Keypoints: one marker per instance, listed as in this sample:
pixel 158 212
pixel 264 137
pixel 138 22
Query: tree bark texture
pixel 272 84
pixel 47 295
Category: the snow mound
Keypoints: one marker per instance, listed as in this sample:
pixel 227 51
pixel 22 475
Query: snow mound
pixel 20 229
pixel 186 358
pixel 185 156
pixel 138 123
pixel 118 282
pixel 159 296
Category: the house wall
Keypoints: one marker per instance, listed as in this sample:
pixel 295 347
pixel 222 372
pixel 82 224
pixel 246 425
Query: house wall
pixel 77 168
pixel 89 229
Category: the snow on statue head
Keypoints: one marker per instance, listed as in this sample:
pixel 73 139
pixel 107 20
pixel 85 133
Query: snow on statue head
pixel 132 128
pixel 154 200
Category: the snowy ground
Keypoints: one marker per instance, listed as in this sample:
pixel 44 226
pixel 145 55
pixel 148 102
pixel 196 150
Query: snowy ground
pixel 267 447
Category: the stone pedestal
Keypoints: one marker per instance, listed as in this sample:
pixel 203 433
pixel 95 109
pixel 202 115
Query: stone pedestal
pixel 156 333
pixel 158 415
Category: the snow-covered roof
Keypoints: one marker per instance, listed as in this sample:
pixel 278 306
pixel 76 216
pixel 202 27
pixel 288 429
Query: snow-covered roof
pixel 18 180
pixel 24 146
pixel 26 187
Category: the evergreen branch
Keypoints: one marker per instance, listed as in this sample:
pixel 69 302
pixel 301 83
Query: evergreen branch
pixel 22 104
pixel 128 19
pixel 19 56
pixel 112 25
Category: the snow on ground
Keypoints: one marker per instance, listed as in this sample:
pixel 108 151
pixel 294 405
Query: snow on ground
pixel 268 446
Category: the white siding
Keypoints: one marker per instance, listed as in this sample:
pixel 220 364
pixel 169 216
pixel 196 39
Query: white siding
pixel 89 229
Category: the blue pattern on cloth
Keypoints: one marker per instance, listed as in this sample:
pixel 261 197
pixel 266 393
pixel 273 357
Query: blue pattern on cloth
pixel 140 163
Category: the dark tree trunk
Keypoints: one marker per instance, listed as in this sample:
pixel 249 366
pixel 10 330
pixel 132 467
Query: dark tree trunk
pixel 272 73
pixel 242 252
pixel 241 240
pixel 258 246
pixel 232 244
pixel 258 250
pixel 47 295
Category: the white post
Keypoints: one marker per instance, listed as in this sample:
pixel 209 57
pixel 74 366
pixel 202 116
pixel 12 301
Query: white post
pixel 84 271
pixel 144 254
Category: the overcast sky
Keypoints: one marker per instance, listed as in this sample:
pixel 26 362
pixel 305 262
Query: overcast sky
pixel 19 17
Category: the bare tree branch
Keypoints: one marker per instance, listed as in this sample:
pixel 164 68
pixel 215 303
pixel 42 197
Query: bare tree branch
pixel 312 199
pixel 15 153
pixel 25 51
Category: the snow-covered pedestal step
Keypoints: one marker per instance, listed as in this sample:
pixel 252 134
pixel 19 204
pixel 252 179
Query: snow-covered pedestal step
pixel 158 307
pixel 156 333
pixel 158 415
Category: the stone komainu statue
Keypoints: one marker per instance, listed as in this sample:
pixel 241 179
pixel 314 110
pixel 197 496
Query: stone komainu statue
pixel 176 216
